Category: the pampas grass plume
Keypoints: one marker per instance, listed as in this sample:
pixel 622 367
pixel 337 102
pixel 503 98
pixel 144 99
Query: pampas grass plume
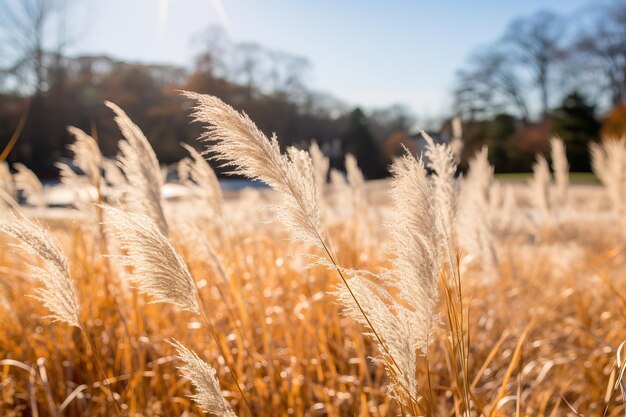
pixel 236 141
pixel 202 376
pixel 140 166
pixel 158 270
pixel 27 181
pixel 57 292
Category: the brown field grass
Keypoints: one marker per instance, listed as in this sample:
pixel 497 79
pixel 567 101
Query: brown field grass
pixel 546 331
pixel 528 320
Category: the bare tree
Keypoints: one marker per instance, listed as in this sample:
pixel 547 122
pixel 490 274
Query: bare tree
pixel 387 120
pixel 603 43
pixel 536 43
pixel 248 58
pixel 490 84
pixel 25 34
pixel 286 73
pixel 216 48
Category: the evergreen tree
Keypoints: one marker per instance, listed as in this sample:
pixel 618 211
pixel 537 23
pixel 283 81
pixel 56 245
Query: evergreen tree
pixel 575 122
pixel 358 140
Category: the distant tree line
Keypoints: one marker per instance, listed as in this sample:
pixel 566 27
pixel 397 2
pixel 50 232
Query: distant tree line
pixel 547 74
pixel 57 90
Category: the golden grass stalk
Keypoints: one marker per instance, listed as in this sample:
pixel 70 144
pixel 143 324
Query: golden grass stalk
pixel 202 375
pixel 159 271
pixel 236 141
pixel 57 292
pixel 141 168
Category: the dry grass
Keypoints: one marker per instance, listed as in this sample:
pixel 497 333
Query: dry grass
pixel 542 333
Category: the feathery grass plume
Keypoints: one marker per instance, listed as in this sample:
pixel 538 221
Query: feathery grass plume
pixel 342 194
pixel 57 292
pixel 357 183
pixel 358 206
pixel 353 172
pixel 87 155
pixel 112 174
pixel 202 376
pixel 540 185
pixel 139 164
pixel 236 140
pixel 7 202
pixel 405 321
pixel 199 171
pixel 321 165
pixel 442 162
pixel 395 324
pixel 456 144
pixel 183 170
pixel 85 185
pixel 480 173
pixel 27 181
pixel 158 270
pixel 84 193
pixel 474 228
pixel 414 243
pixel 6 180
pixel 608 161
pixel 7 189
pixel 561 170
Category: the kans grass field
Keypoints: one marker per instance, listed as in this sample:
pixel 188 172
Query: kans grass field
pixel 426 294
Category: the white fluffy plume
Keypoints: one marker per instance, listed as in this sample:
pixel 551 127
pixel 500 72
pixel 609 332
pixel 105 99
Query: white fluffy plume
pixel 112 174
pixel 357 184
pixel 414 243
pixel 158 270
pixel 441 161
pixel 141 168
pixel 202 375
pixel 456 144
pixel 6 180
pixel 27 181
pixel 235 140
pixel 396 326
pixel 406 317
pixel 561 170
pixel 57 292
pixel 87 155
pixel 540 185
pixel 608 161
pixel 474 226
pixel 321 165
pixel 200 173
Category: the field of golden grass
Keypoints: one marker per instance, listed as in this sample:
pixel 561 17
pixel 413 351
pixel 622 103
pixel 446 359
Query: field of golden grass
pixel 434 295
pixel 545 331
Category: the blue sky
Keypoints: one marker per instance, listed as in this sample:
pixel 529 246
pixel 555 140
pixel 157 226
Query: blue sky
pixel 372 53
